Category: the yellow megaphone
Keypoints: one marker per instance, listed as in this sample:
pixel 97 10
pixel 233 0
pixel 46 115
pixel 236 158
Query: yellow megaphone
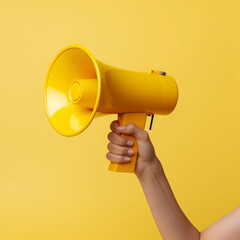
pixel 79 87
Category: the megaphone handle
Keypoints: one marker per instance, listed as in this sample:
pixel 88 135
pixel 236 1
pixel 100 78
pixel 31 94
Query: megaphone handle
pixel 139 119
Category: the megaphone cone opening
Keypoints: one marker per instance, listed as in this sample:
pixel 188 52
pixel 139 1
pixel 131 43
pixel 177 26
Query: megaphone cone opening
pixel 72 90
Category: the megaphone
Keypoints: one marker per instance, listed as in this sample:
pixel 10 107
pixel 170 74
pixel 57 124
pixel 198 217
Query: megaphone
pixel 78 87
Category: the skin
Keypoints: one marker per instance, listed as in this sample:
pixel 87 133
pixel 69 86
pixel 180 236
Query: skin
pixel 169 218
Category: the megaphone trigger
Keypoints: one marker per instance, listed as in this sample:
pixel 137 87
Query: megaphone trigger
pixel 150 127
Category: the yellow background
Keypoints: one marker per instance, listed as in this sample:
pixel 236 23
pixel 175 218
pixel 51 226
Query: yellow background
pixel 53 187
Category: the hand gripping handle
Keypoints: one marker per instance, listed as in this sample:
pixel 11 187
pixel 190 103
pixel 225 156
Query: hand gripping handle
pixel 139 119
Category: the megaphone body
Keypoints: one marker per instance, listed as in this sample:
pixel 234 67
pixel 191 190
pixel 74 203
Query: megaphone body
pixel 78 87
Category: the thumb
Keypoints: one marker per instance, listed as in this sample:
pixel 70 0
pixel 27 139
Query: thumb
pixel 132 129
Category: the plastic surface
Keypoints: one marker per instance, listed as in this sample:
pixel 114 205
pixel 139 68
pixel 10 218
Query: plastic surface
pixel 72 90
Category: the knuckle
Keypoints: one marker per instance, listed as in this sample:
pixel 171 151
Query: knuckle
pixel 113 125
pixel 109 146
pixel 107 156
pixel 131 125
pixel 110 136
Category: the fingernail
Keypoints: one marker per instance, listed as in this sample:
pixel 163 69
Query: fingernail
pixel 126 159
pixel 129 142
pixel 130 152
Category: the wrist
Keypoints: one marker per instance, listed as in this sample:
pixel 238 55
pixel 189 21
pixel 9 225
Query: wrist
pixel 153 168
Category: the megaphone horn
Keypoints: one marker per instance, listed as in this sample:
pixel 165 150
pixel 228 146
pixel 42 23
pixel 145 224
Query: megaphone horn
pixel 79 87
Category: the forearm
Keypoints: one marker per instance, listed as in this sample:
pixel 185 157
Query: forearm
pixel 170 220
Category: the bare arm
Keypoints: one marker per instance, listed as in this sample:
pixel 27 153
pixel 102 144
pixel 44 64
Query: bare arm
pixel 169 218
pixel 226 228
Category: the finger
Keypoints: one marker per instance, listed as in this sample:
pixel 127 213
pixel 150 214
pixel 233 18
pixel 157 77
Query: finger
pixel 114 125
pixel 119 150
pixel 119 140
pixel 132 129
pixel 117 158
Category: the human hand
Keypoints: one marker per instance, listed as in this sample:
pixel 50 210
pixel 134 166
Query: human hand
pixel 120 147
